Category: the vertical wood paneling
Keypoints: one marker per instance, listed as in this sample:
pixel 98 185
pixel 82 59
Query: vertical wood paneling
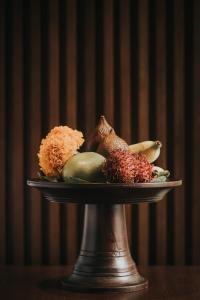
pixel 171 87
pixel 34 128
pixel 161 122
pixel 89 66
pixel 196 127
pixel 71 101
pixel 134 74
pixel 65 62
pixel 2 135
pixel 143 120
pixel 125 97
pixel 152 129
pixel 86 110
pixel 15 189
pixel 108 84
pixel 178 133
pixel 188 128
pixel 54 119
pixel 44 71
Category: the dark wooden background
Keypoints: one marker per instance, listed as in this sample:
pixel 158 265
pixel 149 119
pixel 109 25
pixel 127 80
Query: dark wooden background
pixel 67 62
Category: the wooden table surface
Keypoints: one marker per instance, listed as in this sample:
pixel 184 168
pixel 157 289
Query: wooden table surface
pixel 41 283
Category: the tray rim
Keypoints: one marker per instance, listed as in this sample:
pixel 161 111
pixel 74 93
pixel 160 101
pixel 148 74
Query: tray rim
pixel 37 183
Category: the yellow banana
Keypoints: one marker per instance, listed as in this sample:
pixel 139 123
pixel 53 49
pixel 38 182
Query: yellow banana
pixel 150 148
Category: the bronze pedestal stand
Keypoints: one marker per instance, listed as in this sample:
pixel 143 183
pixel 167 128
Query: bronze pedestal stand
pixel 104 262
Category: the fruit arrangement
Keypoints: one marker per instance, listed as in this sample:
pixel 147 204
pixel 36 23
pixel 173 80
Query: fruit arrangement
pixel 108 158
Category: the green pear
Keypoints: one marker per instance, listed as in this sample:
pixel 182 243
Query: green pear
pixel 86 166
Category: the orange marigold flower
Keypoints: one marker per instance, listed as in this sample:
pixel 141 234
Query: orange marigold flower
pixel 60 144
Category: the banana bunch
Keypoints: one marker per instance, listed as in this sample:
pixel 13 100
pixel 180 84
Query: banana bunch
pixel 151 149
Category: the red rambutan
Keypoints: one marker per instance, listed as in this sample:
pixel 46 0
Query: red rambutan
pixel 122 166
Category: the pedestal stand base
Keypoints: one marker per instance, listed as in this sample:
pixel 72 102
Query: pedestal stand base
pixel 105 262
pixel 102 284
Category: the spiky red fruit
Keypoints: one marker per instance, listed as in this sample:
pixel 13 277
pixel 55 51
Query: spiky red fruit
pixel 126 167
